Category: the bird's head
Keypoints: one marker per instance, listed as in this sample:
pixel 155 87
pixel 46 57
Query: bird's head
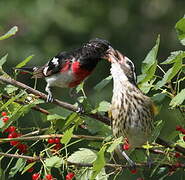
pixel 98 47
pixel 121 65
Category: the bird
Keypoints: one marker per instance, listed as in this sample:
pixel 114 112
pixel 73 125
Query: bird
pixel 132 112
pixel 69 69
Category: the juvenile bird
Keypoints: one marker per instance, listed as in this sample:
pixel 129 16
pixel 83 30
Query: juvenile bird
pixel 132 112
pixel 69 69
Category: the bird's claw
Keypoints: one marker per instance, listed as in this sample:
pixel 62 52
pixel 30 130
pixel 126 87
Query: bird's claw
pixel 49 99
pixel 80 109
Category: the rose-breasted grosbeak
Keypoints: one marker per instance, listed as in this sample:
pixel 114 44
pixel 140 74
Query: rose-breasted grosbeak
pixel 68 69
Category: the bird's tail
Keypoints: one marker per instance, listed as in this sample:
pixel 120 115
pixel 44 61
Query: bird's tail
pixel 36 72
pixel 26 69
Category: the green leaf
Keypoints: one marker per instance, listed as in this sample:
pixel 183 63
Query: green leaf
pixel 114 144
pixel 71 118
pixel 99 163
pixel 103 83
pixel 174 57
pixel 180 28
pixel 28 167
pixel 170 74
pixel 54 161
pixel 67 135
pixel 3 60
pixel 104 106
pixel 157 130
pixel 10 33
pixel 54 117
pixel 24 62
pixel 178 99
pixel 149 64
pixel 78 156
pixel 18 167
pixel 10 88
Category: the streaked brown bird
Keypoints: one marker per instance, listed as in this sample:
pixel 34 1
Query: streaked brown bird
pixel 132 112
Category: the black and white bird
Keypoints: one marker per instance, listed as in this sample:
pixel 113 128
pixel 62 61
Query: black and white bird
pixel 69 69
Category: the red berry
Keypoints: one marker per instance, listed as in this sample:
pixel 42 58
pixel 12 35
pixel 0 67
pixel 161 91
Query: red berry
pixel 10 135
pixel 35 176
pixel 12 129
pixel 14 143
pixel 57 146
pixel 51 141
pixel 177 155
pixel 3 114
pixel 5 119
pixel 177 165
pixel 22 148
pixel 126 146
pixel 30 170
pixel 13 135
pixel 49 177
pixel 178 128
pixel 70 176
pixel 57 140
pixel 182 131
pixel 133 171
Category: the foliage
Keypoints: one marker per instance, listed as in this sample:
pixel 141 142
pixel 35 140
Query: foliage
pixel 65 156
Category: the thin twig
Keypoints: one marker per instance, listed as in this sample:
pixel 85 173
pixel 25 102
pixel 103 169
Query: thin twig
pixel 41 95
pixel 41 137
pixel 37 158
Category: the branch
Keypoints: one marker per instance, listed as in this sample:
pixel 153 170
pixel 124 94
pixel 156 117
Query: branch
pixel 138 165
pixel 65 105
pixel 70 107
pixel 35 138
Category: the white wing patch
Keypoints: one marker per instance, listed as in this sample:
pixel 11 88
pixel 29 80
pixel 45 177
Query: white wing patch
pixel 45 70
pixel 55 61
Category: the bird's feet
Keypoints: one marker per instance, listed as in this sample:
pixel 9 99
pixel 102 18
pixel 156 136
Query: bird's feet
pixel 49 98
pixel 80 109
pixel 149 162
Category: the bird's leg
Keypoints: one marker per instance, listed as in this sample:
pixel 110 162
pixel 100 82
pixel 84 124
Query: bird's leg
pixel 131 163
pixel 73 94
pixel 149 161
pixel 49 97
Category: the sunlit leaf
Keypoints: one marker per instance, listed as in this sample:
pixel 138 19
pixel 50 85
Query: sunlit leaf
pixel 54 161
pixel 10 33
pixel 18 167
pixel 54 117
pixel 114 144
pixel 174 57
pixel 78 156
pixel 104 106
pixel 178 99
pixel 170 74
pixel 99 163
pixel 3 60
pixel 67 135
pixel 24 62
pixel 149 64
pixel 103 83
pixel 180 28
pixel 10 88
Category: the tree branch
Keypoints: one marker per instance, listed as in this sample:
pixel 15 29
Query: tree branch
pixel 68 106
pixel 40 137
pixel 138 165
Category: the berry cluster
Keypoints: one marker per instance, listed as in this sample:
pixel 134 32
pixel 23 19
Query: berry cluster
pixel 55 141
pixel 12 133
pixel 5 117
pixel 36 176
